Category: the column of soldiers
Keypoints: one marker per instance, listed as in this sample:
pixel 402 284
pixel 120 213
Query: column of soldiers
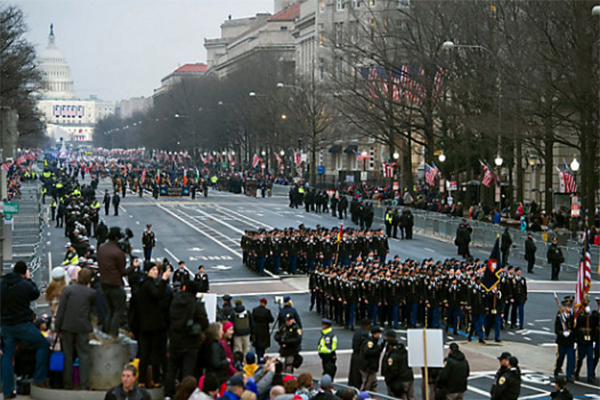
pixel 301 250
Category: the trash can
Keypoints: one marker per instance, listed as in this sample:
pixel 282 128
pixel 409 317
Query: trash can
pixel 107 364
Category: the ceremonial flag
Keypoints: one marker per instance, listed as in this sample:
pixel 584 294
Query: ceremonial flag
pixel 143 175
pixel 491 276
pixel 570 184
pixel 430 175
pixel 436 170
pixel 584 276
pixel 340 233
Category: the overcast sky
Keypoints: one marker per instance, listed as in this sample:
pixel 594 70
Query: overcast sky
pixel 119 49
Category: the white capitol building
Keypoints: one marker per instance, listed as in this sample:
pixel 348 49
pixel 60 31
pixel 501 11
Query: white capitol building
pixel 65 115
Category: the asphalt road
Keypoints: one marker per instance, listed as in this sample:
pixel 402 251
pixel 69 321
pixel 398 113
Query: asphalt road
pixel 207 231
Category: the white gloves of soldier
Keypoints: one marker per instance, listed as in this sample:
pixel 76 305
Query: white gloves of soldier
pixel 566 334
pixel 587 309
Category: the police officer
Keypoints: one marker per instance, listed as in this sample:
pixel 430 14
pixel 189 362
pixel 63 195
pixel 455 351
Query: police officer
pixel 563 327
pixel 369 363
pixel 530 249
pixel 509 384
pixel 562 392
pixel 389 220
pixel 289 338
pixel 399 377
pixel 327 347
pixel 504 366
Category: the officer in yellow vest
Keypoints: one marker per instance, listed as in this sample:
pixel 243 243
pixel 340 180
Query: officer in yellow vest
pixel 327 347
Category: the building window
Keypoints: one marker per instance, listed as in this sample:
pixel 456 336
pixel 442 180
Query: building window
pixel 339 5
pixel 403 3
pixel 284 28
pixel 321 73
pixel 339 30
pixel 322 38
pixel 322 6
pixel 355 3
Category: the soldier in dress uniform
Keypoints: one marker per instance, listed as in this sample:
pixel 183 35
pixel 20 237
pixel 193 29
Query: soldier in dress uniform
pixel 585 344
pixel 201 280
pixel 494 316
pixel 520 296
pixel 565 339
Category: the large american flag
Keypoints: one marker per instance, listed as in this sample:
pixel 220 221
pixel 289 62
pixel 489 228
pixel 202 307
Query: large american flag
pixel 584 276
pixel 570 184
pixel 488 174
pixel 256 161
pixel 388 169
pixel 430 174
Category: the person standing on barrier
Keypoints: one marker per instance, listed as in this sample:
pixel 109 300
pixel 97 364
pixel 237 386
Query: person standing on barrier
pixel 17 291
pixel 327 347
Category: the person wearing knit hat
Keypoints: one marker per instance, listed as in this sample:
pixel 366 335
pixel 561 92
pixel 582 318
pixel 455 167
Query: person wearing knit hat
pixel 225 341
pixel 263 318
pixel 208 387
pixel 243 327
pixel 251 366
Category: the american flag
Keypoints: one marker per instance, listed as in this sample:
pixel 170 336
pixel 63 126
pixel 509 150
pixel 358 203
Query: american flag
pixel 430 174
pixel 388 169
pixel 256 161
pixel 488 174
pixel 298 157
pixel 570 184
pixel 6 166
pixel 279 160
pixel 584 276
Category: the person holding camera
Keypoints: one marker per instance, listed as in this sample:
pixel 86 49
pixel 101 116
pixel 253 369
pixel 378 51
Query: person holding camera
pixel 112 265
pixel 290 339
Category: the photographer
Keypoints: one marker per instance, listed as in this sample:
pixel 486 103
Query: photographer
pixel 111 262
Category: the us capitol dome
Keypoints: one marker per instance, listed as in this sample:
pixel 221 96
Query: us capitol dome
pixel 67 117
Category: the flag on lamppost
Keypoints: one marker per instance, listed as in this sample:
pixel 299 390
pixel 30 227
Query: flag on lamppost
pixel 256 161
pixel 491 275
pixel 489 175
pixel 430 174
pixel 388 169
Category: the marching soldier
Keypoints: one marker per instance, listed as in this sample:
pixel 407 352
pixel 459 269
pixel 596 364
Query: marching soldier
pixel 585 343
pixel 520 296
pixel 494 316
pixel 563 327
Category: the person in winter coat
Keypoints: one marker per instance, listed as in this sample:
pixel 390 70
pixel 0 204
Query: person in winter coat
pixel 217 361
pixel 288 308
pixel 452 379
pixel 555 258
pixel 463 238
pixel 505 243
pixel 17 325
pixel 509 384
pixel 530 249
pixel 188 320
pixel 127 390
pixel 399 377
pixel 208 388
pixel 262 334
pixel 151 321
pixel 354 378
pixel 243 327
pixel 369 360
pixel 73 323
pixel 226 344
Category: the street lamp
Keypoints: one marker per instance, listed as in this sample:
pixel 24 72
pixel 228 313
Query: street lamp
pixel 282 153
pixel 575 164
pixel 442 157
pixel 364 157
pixel 396 155
pixel 283 116
pixel 596 11
pixel 498 160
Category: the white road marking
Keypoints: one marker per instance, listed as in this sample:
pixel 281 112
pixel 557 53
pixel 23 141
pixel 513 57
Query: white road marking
pixel 548 344
pixel 428 249
pixel 228 283
pixel 530 324
pixel 246 217
pixel 542 320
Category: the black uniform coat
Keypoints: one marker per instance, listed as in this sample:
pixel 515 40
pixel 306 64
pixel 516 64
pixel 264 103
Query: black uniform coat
pixel 262 319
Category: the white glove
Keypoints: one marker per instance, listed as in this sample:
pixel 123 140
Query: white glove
pixel 587 309
pixel 566 334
